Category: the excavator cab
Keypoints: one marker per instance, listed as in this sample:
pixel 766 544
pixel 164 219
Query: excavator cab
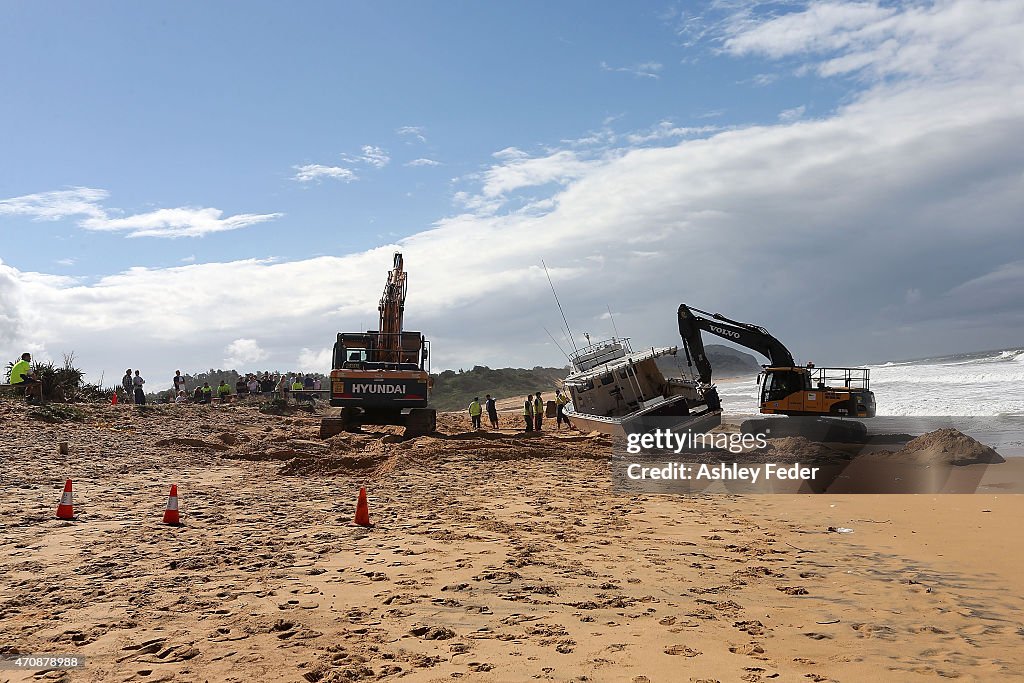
pixel 778 383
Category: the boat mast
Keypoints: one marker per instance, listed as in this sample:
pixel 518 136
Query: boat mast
pixel 555 294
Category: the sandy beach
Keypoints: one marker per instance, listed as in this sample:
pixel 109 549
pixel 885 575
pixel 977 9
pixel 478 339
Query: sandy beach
pixel 494 557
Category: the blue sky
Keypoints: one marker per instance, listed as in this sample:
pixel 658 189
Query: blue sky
pixel 213 105
pixel 233 177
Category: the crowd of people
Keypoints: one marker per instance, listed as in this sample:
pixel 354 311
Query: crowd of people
pixel 302 387
pixel 533 412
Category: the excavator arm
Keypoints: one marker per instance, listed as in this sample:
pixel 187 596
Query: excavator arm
pixel 392 310
pixel 692 322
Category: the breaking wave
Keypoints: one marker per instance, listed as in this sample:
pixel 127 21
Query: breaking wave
pixel 989 383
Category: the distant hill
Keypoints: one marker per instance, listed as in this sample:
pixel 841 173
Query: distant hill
pixel 454 390
pixel 725 362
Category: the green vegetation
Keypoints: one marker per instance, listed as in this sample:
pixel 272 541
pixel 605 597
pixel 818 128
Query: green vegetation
pixel 57 412
pixel 454 390
pixel 64 382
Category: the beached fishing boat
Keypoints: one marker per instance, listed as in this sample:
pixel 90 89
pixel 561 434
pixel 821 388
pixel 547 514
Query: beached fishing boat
pixel 614 389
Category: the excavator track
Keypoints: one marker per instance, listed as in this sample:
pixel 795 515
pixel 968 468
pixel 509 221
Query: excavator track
pixel 417 422
pixel 819 429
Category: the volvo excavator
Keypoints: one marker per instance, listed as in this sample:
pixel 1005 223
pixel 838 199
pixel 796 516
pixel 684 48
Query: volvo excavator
pixel 827 394
pixel 382 376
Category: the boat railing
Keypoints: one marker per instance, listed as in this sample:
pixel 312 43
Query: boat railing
pixel 601 352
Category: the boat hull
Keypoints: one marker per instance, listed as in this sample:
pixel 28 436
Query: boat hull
pixel 670 414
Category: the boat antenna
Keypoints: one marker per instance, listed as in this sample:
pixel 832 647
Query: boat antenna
pixel 559 307
pixel 558 345
pixel 614 328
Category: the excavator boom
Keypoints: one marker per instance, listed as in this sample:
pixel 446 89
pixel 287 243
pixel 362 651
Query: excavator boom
pixel 753 337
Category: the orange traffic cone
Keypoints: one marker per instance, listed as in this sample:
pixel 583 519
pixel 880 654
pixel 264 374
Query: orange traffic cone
pixel 65 510
pixel 171 513
pixel 113 399
pixel 362 509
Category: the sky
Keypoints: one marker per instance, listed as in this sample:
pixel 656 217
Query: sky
pixel 222 185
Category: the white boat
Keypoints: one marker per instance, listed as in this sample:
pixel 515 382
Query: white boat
pixel 613 389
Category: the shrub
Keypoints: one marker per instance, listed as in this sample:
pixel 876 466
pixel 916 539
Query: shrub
pixel 55 412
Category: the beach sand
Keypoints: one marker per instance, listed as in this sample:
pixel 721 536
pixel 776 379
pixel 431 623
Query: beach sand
pixel 494 557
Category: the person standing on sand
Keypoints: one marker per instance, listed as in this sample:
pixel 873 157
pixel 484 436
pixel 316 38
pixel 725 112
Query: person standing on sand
pixel 492 412
pixel 140 394
pixel 538 412
pixel 179 382
pixel 128 385
pixel 528 413
pixel 223 391
pixel 282 387
pixel 474 412
pixel 207 392
pixel 561 399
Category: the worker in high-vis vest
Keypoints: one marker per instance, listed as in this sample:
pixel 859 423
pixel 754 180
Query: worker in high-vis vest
pixel 22 376
pixel 538 411
pixel 561 399
pixel 528 413
pixel 474 412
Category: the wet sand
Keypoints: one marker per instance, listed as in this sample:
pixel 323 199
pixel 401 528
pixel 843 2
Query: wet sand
pixel 494 557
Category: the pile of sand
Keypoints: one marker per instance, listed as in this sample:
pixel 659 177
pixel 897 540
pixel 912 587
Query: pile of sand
pixel 941 447
pixel 947 447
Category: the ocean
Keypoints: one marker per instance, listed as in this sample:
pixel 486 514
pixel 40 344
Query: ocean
pixel 980 393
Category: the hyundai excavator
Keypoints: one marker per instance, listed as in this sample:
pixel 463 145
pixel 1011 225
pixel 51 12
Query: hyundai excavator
pixel 382 376
pixel 828 394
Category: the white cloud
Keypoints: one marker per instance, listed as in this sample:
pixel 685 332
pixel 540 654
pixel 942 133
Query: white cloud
pixel 65 262
pixel 375 156
pixel 665 130
pixel 182 222
pixel 243 352
pixel 423 162
pixel 315 360
pixel 791 115
pixel 86 202
pixel 946 39
pixel 52 206
pixel 317 172
pixel 644 70
pixel 191 258
pixel 762 80
pixel 519 170
pixel 412 131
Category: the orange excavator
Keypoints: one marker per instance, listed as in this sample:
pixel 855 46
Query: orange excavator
pixel 828 396
pixel 382 376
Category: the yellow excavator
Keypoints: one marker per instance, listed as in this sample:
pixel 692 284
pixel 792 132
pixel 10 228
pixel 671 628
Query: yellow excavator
pixel 828 394
pixel 382 376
